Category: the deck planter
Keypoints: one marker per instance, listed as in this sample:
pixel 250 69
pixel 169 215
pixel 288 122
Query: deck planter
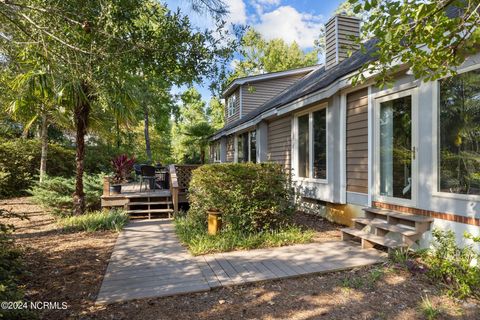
pixel 214 221
pixel 115 189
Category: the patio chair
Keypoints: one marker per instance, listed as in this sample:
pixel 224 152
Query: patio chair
pixel 147 175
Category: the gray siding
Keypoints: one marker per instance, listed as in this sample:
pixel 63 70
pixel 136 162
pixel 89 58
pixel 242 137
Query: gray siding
pixel 339 43
pixel 279 141
pixel 230 149
pixel 236 115
pixel 256 94
pixel 357 141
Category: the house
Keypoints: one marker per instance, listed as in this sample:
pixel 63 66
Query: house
pixel 392 163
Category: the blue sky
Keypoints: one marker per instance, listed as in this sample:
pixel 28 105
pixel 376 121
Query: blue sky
pixel 290 20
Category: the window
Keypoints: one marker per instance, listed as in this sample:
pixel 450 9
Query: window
pixel 231 101
pixel 312 145
pixel 246 147
pixel 459 134
pixel 216 151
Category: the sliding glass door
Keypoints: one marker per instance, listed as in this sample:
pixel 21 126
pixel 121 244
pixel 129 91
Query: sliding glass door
pixel 395 149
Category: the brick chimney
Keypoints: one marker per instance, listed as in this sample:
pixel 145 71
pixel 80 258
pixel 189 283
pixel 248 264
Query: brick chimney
pixel 339 31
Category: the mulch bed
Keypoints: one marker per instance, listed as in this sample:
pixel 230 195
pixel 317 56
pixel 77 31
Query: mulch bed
pixel 324 229
pixel 69 267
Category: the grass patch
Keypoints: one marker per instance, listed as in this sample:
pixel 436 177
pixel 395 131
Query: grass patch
pixel 199 242
pixel 96 221
pixel 428 309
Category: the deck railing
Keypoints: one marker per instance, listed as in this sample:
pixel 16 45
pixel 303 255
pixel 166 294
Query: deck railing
pixel 180 176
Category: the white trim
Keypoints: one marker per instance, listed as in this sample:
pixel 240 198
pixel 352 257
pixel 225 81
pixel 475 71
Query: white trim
pixel 343 148
pixel 241 103
pixel 336 41
pixel 294 156
pixel 436 143
pixel 371 121
pixel 267 76
pixel 235 149
pixel 414 174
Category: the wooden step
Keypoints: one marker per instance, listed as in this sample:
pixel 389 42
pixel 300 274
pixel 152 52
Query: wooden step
pixel 369 239
pixel 151 211
pixel 381 224
pixel 398 215
pixel 141 203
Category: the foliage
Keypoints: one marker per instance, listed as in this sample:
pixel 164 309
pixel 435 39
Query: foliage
pixel 193 233
pixel 262 56
pixel 122 168
pixel 251 197
pixel 428 309
pixel 96 221
pixel 192 129
pixel 97 53
pixel 368 281
pixel 55 193
pixel 420 34
pixel 10 269
pixel 457 267
pixel 19 162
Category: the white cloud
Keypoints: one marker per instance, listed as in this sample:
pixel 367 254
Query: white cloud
pixel 287 23
pixel 237 11
pixel 269 2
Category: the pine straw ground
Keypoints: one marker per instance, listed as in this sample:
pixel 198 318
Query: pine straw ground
pixel 69 266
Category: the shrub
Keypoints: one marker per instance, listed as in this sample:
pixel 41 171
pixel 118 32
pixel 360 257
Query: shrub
pixel 252 197
pixel 11 268
pixel 20 162
pixel 457 267
pixel 55 193
pixel 96 221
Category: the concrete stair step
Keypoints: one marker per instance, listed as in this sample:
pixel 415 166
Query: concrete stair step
pixel 369 239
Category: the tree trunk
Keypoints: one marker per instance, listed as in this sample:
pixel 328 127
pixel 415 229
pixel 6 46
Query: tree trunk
pixel 81 113
pixel 148 150
pixel 202 155
pixel 44 140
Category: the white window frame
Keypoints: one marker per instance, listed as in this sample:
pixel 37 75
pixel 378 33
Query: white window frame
pixel 310 144
pixel 249 153
pixel 436 141
pixel 231 101
pixel 378 99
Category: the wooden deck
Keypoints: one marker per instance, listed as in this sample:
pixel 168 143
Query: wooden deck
pixel 145 202
pixel 149 261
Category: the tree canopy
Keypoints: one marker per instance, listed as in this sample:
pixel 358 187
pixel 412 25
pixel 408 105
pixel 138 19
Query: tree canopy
pixel 258 55
pixel 432 37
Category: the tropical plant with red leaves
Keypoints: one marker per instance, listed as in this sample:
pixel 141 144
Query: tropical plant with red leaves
pixel 122 167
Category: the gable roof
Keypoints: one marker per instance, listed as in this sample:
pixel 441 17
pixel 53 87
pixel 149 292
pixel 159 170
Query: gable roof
pixel 315 81
pixel 267 76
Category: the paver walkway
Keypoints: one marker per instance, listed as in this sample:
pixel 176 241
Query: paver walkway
pixel 149 261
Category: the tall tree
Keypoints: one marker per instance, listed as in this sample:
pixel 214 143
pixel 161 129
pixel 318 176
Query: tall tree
pixel 260 56
pixel 432 37
pixel 107 43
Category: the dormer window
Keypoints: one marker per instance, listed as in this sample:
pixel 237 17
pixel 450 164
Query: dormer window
pixel 231 105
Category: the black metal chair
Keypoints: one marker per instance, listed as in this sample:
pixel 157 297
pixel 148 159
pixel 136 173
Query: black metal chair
pixel 147 175
pixel 162 178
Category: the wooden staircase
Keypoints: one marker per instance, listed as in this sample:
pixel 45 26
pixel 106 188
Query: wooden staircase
pixel 145 205
pixel 388 229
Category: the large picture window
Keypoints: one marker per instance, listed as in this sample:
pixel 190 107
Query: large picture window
pixel 311 151
pixel 459 134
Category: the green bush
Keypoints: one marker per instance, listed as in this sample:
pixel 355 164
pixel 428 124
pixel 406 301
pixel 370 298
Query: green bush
pixel 251 197
pixel 457 267
pixel 11 268
pixel 193 233
pixel 20 162
pixel 96 221
pixel 55 193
